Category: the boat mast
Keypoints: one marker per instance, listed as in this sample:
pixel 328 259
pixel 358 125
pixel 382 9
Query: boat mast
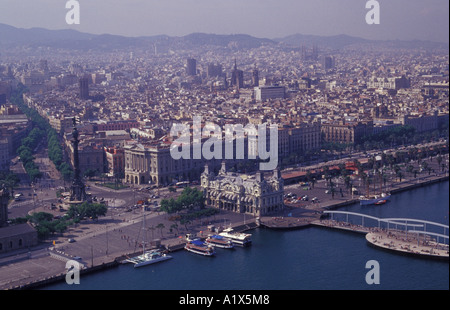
pixel 143 228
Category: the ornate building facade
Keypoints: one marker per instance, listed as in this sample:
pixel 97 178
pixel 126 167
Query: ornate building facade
pixel 249 194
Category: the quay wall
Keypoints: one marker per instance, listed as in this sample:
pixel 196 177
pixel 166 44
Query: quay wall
pixel 112 263
pixel 241 227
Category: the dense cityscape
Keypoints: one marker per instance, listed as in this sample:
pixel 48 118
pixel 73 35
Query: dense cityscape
pixel 86 139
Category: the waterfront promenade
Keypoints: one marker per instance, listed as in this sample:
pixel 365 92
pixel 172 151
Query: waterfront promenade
pixel 101 244
pixel 400 241
pixel 392 239
pixel 303 214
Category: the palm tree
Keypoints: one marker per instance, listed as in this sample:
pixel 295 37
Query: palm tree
pixel 332 191
pixel 161 226
pixel 185 222
pixel 410 169
pixel 347 182
pixel 174 226
pixel 399 175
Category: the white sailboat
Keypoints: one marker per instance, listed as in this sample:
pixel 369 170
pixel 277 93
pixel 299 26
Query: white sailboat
pixel 149 257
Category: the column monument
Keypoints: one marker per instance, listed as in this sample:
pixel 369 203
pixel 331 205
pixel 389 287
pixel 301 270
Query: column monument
pixel 77 189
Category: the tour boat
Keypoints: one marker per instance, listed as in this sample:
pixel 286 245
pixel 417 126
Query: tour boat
pixel 364 200
pixel 148 258
pixel 220 242
pixel 199 247
pixel 236 237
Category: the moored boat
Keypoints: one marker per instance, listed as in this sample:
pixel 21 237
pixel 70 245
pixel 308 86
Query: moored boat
pixel 365 200
pixel 237 238
pixel 199 247
pixel 220 242
pixel 381 202
pixel 148 258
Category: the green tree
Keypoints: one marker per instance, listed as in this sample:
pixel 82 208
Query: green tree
pixel 161 226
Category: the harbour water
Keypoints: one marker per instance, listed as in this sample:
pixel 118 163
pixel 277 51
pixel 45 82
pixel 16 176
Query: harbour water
pixel 308 259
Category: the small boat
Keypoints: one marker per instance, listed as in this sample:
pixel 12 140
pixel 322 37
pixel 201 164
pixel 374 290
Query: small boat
pixel 148 258
pixel 199 247
pixel 381 202
pixel 236 237
pixel 220 242
pixel 365 200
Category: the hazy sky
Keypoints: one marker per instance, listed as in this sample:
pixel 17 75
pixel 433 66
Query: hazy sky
pixel 400 19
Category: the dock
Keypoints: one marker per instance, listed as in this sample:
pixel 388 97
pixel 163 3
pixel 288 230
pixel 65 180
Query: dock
pixel 342 226
pixel 174 245
pixel 399 242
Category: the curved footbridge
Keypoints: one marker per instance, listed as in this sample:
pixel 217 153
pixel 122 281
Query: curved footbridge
pixel 408 236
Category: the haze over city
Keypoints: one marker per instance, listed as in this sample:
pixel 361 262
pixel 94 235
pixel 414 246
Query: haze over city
pixel 400 19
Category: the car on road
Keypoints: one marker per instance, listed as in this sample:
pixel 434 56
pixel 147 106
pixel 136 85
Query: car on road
pixel 70 240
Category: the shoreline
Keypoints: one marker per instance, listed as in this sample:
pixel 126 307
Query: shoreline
pixel 288 223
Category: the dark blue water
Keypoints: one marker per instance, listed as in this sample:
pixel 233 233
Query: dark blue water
pixel 312 259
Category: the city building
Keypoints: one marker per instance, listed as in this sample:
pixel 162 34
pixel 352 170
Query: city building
pixel 115 125
pixel 15 237
pixel 90 155
pixel 14 126
pixel 214 70
pixel 4 200
pixel 346 132
pixel 255 77
pixel 394 83
pixel 115 160
pixel 422 122
pixel 264 93
pixel 327 62
pixel 61 124
pixel 239 193
pixel 237 77
pixel 191 67
pixel 84 88
pixel 4 154
pixel 154 164
pixel 303 138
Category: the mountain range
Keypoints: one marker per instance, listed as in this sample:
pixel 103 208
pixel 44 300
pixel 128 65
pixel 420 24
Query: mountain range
pixel 72 39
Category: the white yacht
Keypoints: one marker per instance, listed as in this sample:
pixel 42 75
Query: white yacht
pixel 148 258
pixel 371 200
pixel 237 238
